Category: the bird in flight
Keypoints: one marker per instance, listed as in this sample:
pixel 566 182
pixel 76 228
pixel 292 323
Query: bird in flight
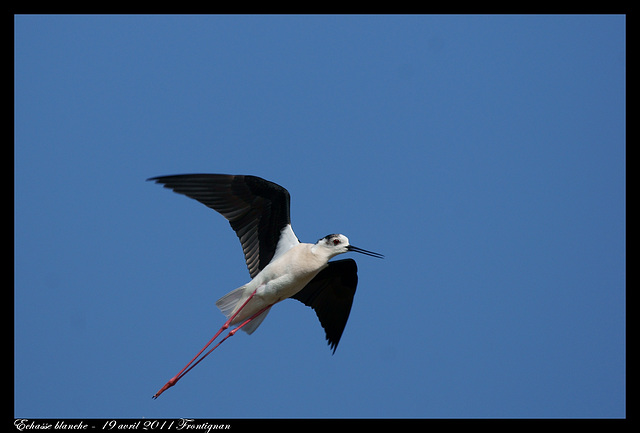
pixel 280 265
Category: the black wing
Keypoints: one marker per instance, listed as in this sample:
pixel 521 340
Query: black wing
pixel 257 209
pixel 331 294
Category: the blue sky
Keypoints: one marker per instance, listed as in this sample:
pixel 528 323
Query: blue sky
pixel 484 156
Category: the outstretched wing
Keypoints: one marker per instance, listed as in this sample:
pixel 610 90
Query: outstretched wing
pixel 258 211
pixel 331 294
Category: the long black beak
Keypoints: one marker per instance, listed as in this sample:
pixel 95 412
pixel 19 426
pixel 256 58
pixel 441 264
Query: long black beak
pixel 361 251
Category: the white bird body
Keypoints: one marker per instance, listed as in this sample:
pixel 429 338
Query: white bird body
pixel 282 278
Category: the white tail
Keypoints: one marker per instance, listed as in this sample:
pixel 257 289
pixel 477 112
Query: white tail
pixel 227 304
pixel 232 300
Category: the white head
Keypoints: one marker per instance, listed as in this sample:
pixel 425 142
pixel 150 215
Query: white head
pixel 338 244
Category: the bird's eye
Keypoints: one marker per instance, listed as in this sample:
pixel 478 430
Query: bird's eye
pixel 336 241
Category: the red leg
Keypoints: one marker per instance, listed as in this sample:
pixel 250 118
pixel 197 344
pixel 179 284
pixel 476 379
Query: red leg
pixel 230 334
pixel 226 325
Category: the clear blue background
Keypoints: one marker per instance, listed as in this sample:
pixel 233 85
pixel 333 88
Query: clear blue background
pixel 484 156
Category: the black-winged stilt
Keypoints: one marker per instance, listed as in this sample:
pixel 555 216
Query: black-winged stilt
pixel 279 264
